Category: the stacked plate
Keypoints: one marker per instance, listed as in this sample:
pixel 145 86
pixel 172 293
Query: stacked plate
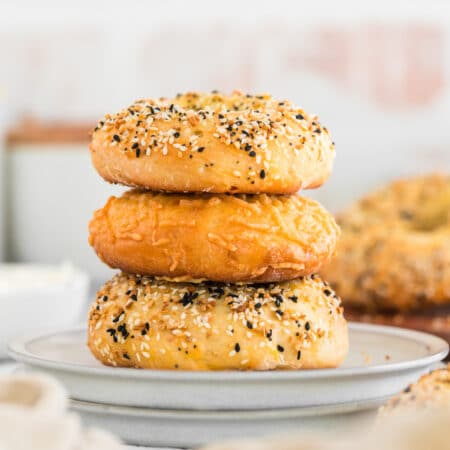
pixel 184 409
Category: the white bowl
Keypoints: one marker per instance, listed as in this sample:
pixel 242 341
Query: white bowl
pixel 37 297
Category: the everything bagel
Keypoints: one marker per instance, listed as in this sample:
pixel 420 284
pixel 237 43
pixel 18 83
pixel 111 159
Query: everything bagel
pixel 153 324
pixel 213 143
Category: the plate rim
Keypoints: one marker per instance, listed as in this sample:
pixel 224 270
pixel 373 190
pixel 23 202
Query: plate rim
pixel 439 349
pixel 229 414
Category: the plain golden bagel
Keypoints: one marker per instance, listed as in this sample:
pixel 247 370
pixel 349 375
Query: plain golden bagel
pixel 227 238
pixel 213 143
pixel 394 253
pixel 145 323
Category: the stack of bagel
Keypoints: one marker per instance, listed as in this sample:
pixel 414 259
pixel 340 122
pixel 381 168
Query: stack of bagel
pixel 218 254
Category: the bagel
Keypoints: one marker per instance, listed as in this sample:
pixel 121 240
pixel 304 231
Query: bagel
pixel 430 392
pixel 213 143
pixel 152 324
pixel 394 253
pixel 227 238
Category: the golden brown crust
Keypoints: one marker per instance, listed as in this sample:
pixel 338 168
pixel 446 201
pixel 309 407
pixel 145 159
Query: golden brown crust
pixel 144 323
pixel 394 253
pixel 213 143
pixel 215 237
pixel 431 391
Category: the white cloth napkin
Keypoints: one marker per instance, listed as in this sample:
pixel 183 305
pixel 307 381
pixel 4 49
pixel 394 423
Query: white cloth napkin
pixel 33 416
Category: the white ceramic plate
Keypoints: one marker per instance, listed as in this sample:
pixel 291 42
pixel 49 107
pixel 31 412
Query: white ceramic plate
pixel 170 428
pixel 382 361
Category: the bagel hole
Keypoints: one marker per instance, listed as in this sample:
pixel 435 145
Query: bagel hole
pixel 433 214
pixel 432 218
pixel 429 224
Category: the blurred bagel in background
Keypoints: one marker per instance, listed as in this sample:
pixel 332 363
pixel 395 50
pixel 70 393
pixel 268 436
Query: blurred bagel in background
pixel 432 391
pixel 394 253
pixel 213 143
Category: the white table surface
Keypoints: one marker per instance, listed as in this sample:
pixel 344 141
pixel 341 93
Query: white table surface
pixel 7 367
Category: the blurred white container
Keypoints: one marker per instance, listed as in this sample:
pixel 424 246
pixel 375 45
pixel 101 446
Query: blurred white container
pixel 37 297
pixel 2 175
pixel 53 191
